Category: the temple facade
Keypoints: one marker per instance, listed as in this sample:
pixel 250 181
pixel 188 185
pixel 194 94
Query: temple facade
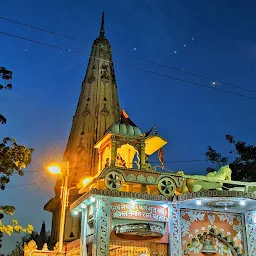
pixel 97 109
pixel 123 206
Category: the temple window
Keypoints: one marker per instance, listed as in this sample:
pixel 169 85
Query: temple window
pixel 126 155
pixel 105 158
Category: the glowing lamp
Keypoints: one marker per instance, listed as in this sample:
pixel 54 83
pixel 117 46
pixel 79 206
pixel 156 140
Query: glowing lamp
pixel 132 202
pixel 75 212
pixel 92 199
pixel 55 169
pixel 242 203
pixel 86 181
pixel 83 206
pixel 198 202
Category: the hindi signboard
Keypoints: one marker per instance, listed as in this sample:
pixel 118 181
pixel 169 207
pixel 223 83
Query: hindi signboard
pixel 139 212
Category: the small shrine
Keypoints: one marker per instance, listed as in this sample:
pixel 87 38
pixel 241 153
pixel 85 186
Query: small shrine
pixel 121 205
pixel 131 208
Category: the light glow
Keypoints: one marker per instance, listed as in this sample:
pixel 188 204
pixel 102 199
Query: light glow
pixel 165 205
pixel 55 169
pixel 75 212
pixel 86 181
pixel 132 202
pixel 92 199
pixel 198 202
pixel 242 203
pixel 83 206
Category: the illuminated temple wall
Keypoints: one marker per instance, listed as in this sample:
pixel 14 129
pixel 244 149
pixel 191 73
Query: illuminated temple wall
pixel 182 229
pixel 250 221
pixel 106 213
pixel 187 225
pixel 195 223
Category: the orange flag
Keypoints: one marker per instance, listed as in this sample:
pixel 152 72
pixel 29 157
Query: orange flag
pixel 161 156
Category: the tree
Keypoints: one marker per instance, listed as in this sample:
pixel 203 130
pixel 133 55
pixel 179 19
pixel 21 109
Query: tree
pixel 6 75
pixel 243 165
pixel 19 248
pixel 13 158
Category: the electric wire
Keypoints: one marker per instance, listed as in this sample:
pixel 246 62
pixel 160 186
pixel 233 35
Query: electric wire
pixel 166 162
pixel 23 185
pixel 130 56
pixel 129 66
pixel 140 69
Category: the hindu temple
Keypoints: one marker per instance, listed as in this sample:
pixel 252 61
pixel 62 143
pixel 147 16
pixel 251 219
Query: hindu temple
pixel 122 205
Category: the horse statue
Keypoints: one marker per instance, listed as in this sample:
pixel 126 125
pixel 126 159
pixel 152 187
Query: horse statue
pixel 209 181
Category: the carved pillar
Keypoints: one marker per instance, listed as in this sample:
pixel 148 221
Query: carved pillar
pixel 103 227
pixel 95 227
pixel 100 167
pixel 84 232
pixel 113 151
pixel 142 155
pixel 250 220
pixel 175 235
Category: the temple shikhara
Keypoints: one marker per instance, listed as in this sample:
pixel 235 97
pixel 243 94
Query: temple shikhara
pixel 120 205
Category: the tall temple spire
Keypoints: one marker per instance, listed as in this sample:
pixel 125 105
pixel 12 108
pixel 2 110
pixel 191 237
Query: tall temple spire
pixel 102 32
pixel 97 109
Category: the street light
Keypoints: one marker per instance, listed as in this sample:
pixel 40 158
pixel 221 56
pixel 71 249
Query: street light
pixel 55 169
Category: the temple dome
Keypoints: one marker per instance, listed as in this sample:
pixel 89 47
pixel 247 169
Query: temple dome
pixel 125 126
pixel 124 129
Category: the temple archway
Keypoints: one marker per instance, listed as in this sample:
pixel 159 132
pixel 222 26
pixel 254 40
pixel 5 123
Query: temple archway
pixel 125 156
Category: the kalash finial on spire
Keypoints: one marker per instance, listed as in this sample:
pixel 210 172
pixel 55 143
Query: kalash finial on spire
pixel 102 32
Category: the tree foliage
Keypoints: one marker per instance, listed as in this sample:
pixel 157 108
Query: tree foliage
pixel 13 158
pixel 19 248
pixel 242 160
pixel 6 75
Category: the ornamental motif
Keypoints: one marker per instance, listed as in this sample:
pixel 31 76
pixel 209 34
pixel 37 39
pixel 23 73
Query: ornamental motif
pixel 250 220
pixel 103 227
pixel 227 217
pixel 223 203
pixel 211 218
pixel 113 180
pixel 105 75
pixel 151 179
pixel 95 227
pixel 225 229
pixel 104 66
pixel 104 53
pixel 166 186
pixel 175 232
pixel 131 177
pixel 140 229
pixel 105 111
pixel 91 78
pixel 141 178
pixel 86 111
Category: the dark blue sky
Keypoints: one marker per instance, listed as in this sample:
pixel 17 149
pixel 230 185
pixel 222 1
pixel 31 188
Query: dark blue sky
pixel 47 82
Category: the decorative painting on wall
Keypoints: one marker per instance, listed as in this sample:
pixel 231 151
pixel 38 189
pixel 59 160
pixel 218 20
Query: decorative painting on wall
pixel 196 226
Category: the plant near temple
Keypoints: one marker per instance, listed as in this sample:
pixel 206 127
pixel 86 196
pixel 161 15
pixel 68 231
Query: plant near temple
pixel 13 158
pixel 242 161
pixel 19 248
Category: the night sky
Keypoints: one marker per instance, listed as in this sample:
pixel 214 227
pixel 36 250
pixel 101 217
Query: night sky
pixel 214 39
